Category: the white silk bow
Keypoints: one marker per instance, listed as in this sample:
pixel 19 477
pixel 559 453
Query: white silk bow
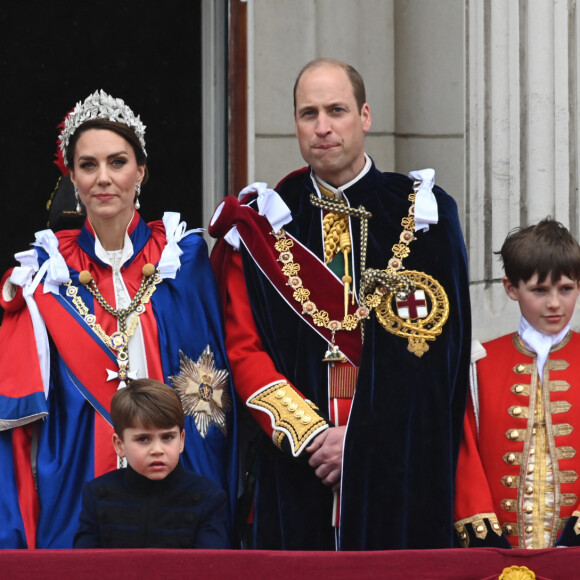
pixel 270 205
pixel 426 211
pixel 175 231
pixel 55 267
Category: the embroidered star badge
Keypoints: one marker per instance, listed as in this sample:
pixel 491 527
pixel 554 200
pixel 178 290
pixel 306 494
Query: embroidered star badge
pixel 203 391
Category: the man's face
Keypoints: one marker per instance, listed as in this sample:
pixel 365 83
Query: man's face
pixel 329 126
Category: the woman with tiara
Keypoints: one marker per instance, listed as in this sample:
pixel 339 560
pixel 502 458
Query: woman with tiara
pixel 89 310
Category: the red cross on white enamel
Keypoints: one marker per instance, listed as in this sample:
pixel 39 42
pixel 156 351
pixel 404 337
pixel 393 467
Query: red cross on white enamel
pixel 415 306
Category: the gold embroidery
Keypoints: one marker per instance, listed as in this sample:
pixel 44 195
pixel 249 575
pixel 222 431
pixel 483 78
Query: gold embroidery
pixel 517 573
pixel 511 480
pixel 558 386
pixel 291 414
pixel 508 504
pixel 417 331
pixel 515 434
pixel 558 365
pixel 512 458
pixel 562 429
pixel 334 226
pixel 119 340
pixel 378 288
pixel 535 511
pixel 569 499
pixel 479 528
pixel 521 390
pixel 511 529
pixel 560 407
pixel 568 476
pixel 565 452
pixel 518 412
pixel 278 439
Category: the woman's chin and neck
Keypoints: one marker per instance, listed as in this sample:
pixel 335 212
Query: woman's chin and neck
pixel 111 229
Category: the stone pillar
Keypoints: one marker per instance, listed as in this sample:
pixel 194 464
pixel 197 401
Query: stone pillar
pixel 521 135
pixel 283 36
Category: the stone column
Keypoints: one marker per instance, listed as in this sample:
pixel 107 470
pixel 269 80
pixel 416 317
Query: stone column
pixel 521 135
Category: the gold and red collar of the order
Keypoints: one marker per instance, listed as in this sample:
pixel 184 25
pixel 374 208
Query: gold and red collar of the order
pixel 305 283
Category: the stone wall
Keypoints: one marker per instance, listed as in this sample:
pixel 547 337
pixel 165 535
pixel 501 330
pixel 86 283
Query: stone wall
pixel 484 91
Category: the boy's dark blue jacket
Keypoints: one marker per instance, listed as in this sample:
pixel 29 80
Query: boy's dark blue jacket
pixel 123 509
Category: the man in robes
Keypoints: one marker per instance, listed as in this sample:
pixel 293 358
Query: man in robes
pixel 348 333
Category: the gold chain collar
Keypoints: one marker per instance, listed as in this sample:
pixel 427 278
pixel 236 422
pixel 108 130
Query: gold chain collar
pixel 377 287
pixel 119 340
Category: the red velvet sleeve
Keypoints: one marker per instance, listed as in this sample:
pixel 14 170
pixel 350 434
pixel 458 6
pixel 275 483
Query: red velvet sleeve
pixel 27 496
pixel 472 494
pixel 251 366
pixel 474 510
pixel 254 371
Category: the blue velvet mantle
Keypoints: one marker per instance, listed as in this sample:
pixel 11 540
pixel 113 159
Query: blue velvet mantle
pixel 405 425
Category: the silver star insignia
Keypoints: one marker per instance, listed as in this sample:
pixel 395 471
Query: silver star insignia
pixel 203 391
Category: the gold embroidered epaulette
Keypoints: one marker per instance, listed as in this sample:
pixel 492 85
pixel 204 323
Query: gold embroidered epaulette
pixel 292 416
pixel 479 527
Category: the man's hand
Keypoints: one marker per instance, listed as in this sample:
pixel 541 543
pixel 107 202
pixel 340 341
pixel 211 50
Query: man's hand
pixel 326 456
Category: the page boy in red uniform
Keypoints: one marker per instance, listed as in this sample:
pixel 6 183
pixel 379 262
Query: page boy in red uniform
pixel 517 477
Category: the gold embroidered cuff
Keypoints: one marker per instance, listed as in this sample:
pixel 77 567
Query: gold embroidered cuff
pixel 292 416
pixel 479 527
pixel 278 439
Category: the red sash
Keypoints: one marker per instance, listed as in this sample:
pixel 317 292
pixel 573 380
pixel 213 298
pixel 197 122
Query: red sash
pixel 87 358
pixel 326 290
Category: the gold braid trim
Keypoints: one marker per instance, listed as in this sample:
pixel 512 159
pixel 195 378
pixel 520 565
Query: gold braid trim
pixel 479 527
pixel 335 225
pixel 292 416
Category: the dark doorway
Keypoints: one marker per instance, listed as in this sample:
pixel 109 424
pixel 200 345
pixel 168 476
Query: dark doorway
pixel 54 54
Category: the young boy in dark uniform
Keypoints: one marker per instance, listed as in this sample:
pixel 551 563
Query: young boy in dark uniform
pixel 154 502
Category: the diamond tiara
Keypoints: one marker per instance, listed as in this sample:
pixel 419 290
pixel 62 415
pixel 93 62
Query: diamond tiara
pixel 99 105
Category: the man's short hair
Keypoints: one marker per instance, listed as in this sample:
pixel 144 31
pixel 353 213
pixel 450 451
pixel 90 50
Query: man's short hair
pixel 546 248
pixel 147 403
pixel 358 85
